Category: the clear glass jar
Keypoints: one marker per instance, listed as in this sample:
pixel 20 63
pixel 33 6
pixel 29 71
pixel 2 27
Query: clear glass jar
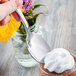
pixel 21 52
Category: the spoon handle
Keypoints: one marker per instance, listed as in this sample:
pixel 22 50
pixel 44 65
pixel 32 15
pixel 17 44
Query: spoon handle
pixel 26 26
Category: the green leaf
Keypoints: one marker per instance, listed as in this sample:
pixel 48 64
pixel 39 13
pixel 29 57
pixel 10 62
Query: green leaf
pixel 32 21
pixel 35 17
pixel 23 39
pixel 37 6
pixel 28 13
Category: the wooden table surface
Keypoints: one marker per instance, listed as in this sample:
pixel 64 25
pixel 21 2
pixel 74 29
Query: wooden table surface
pixel 60 23
pixel 8 64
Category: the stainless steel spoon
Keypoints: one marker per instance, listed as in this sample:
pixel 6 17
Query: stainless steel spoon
pixel 37 46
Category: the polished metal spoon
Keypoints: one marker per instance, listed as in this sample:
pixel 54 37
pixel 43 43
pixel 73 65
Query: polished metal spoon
pixel 37 46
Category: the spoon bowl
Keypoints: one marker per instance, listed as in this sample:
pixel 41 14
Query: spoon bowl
pixel 38 47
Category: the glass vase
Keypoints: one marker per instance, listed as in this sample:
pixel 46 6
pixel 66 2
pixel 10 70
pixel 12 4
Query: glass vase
pixel 21 52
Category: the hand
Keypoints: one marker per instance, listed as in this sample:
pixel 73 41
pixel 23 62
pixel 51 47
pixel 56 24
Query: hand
pixel 9 7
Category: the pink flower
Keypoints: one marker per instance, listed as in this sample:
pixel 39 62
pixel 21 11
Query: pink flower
pixel 27 5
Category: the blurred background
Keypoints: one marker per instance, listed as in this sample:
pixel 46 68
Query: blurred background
pixel 58 28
